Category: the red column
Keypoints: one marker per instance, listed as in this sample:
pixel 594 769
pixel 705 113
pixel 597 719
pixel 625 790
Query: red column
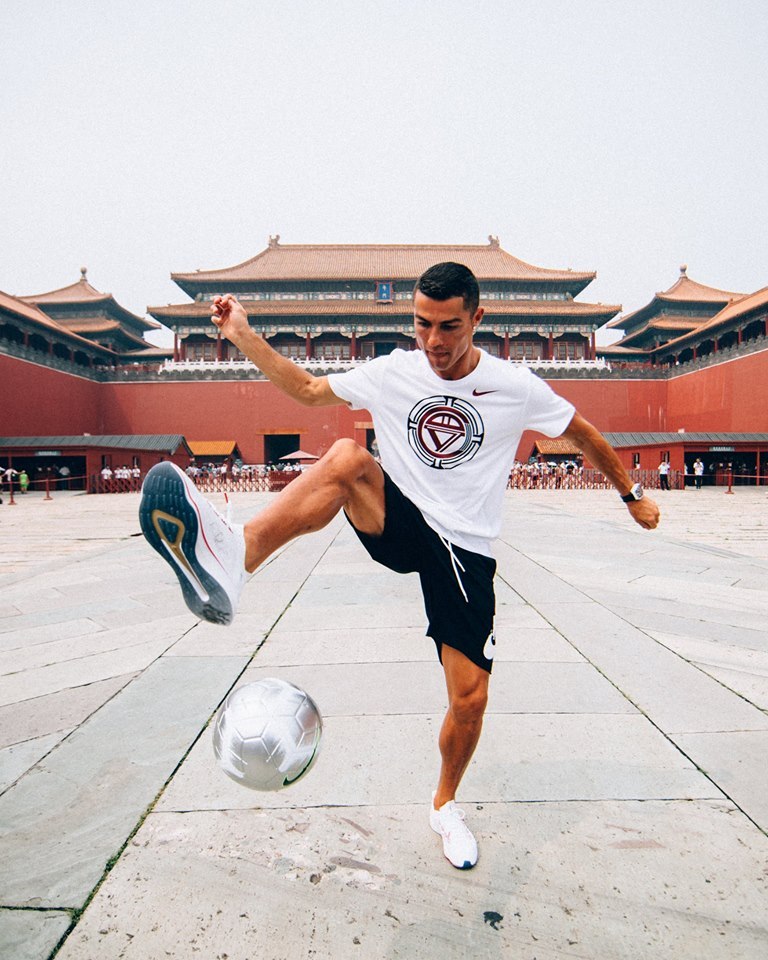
pixel 551 346
pixel 218 347
pixel 353 346
pixel 175 347
pixel 593 347
pixel 308 346
pixel 506 345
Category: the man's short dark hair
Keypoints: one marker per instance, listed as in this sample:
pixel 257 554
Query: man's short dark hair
pixel 449 279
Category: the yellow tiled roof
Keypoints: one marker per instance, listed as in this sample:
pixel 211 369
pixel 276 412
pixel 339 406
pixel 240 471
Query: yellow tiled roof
pixel 80 292
pixel 83 292
pixel 393 261
pixel 690 291
pixel 753 301
pixel 212 448
pixel 683 290
pixel 29 311
pixel 557 445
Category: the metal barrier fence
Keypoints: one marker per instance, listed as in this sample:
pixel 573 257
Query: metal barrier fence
pixel 272 481
pixel 543 477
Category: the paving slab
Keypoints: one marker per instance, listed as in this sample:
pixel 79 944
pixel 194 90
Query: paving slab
pixel 382 689
pixel 328 644
pixel 64 710
pixel 617 790
pixel 77 806
pixel 752 688
pixel 50 678
pixel 30 934
pixel 389 759
pixel 671 691
pixel 737 761
pixel 17 759
pixel 629 881
pixel 30 637
pixel 79 647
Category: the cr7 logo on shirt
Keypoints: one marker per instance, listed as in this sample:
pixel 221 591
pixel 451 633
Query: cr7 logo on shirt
pixel 444 431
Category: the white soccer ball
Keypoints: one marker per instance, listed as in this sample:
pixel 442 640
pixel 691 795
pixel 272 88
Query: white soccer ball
pixel 267 734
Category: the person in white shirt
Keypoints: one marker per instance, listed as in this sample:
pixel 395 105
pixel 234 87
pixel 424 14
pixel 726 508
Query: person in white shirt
pixel 664 468
pixel 448 419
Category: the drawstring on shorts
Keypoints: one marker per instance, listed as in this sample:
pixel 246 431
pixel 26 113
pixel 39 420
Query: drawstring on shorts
pixel 456 564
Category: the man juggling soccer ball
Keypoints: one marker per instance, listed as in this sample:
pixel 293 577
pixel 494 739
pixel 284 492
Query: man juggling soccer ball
pixel 448 418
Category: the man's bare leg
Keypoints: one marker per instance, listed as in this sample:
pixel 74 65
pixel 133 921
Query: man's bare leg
pixel 467 686
pixel 467 696
pixel 347 478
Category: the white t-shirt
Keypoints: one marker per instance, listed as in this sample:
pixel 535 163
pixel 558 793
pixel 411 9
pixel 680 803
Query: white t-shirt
pixel 449 444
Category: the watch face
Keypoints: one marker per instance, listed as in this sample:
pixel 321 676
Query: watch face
pixel 638 491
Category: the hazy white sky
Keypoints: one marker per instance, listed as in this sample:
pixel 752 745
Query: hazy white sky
pixel 141 137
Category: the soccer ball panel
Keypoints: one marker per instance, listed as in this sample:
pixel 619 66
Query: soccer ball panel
pixel 267 734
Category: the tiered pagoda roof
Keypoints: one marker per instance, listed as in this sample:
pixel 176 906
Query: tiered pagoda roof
pixel 681 309
pixel 322 262
pixel 321 286
pixel 82 309
pixel 736 311
pixel 35 319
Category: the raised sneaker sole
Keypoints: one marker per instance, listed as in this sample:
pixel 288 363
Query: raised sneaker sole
pixel 170 521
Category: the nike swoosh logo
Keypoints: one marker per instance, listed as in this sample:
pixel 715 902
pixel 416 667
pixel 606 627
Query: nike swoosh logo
pixel 482 393
pixel 289 780
pixel 175 549
pixel 490 647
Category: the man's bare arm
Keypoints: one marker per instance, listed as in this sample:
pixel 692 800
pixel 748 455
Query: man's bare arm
pixel 230 317
pixel 599 452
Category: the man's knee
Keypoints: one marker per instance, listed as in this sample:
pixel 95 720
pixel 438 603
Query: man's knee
pixel 346 453
pixel 468 705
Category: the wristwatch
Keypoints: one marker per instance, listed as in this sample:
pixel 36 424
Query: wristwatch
pixel 636 493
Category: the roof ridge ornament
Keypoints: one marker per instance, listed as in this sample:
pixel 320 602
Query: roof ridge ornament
pixel 493 241
pixel 274 241
pixel 683 269
pixel 83 273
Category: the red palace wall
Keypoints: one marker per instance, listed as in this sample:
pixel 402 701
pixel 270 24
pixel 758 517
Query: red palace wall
pixel 246 410
pixel 226 410
pixel 731 396
pixel 40 401
pixel 616 406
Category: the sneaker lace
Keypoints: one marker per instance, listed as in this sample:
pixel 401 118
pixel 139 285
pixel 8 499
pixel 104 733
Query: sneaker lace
pixel 219 525
pixel 454 822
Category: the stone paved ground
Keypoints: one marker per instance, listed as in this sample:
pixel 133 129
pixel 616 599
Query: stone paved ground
pixel 618 792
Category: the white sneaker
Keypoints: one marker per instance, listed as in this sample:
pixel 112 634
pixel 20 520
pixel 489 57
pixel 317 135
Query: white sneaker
pixel 205 550
pixel 459 845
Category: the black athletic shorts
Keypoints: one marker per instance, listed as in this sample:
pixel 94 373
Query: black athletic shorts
pixel 409 545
